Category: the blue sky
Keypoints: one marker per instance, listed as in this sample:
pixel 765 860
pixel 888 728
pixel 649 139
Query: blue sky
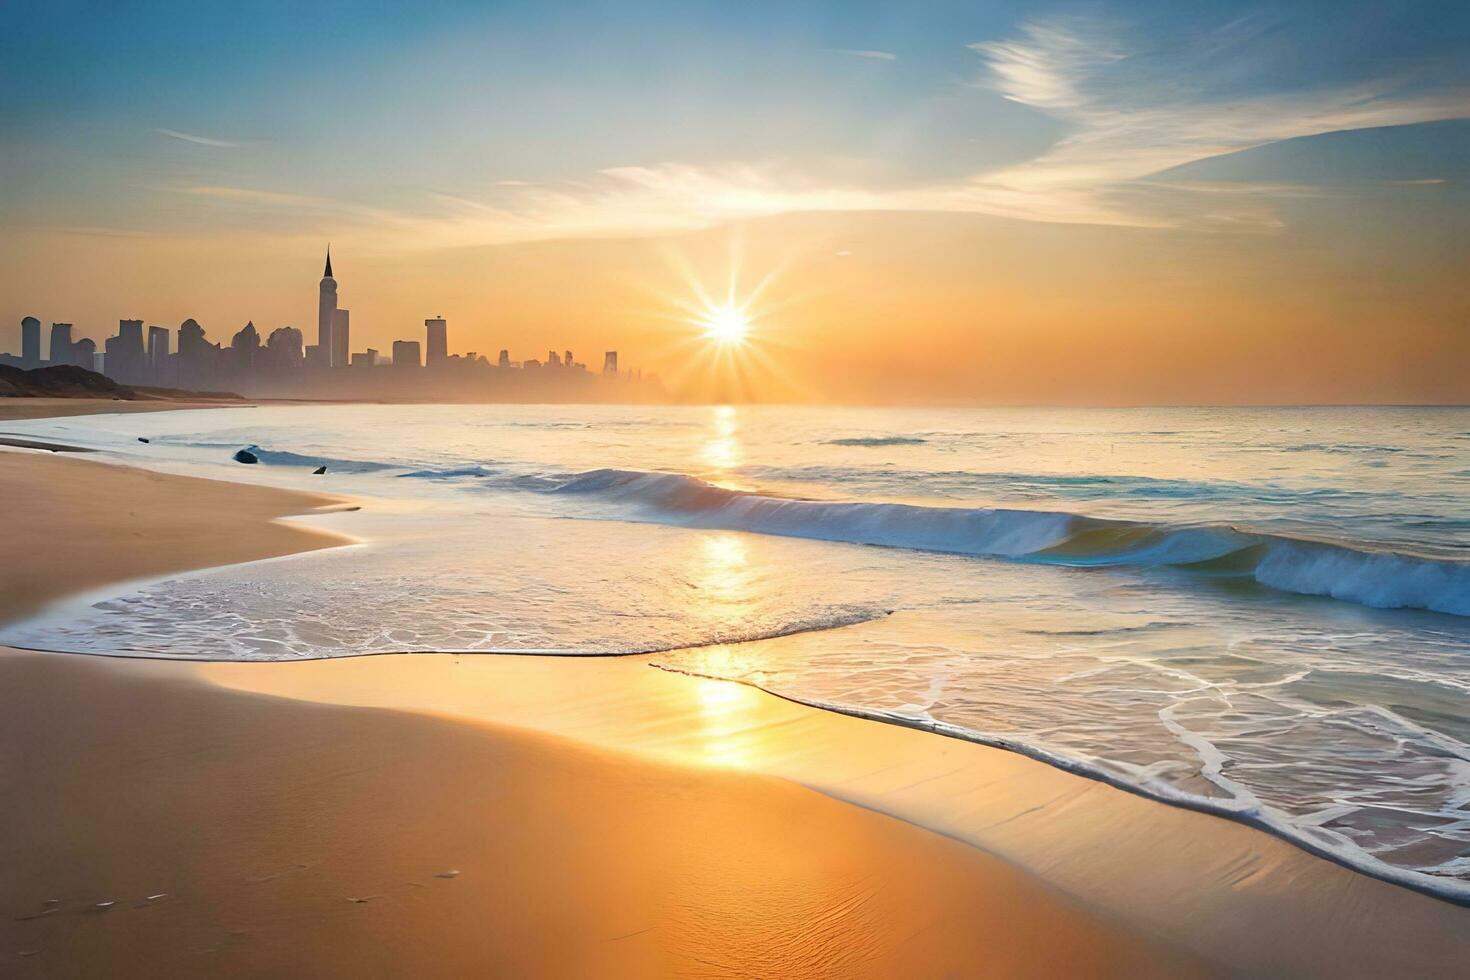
pixel 1324 138
pixel 560 118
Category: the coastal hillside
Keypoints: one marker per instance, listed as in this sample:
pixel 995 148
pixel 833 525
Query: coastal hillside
pixel 70 381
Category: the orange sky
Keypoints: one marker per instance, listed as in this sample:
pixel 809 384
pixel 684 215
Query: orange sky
pixel 992 203
pixel 867 308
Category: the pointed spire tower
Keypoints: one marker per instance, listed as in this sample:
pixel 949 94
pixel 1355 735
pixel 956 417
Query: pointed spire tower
pixel 326 312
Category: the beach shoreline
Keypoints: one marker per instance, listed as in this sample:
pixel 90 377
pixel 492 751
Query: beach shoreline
pixel 172 825
pixel 1001 864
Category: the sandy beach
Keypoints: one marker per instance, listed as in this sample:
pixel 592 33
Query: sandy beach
pixel 167 825
pixel 440 815
pixel 777 490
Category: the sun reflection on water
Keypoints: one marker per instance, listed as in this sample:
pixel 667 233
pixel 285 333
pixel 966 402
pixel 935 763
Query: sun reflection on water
pixel 725 712
pixel 722 448
pixel 724 588
pixel 725 572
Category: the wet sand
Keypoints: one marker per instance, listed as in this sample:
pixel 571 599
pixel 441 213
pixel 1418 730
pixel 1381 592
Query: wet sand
pixel 1247 902
pixel 289 839
pixel 606 817
pixel 71 525
pixel 240 833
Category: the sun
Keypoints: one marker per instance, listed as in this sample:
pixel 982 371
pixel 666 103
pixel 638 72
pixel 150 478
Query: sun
pixel 726 324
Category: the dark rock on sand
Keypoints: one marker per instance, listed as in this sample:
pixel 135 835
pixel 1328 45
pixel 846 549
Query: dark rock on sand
pixel 246 456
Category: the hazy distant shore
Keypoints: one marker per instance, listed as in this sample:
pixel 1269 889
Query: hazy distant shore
pixel 436 815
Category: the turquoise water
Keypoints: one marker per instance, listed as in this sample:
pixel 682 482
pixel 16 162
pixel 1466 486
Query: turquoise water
pixel 1260 612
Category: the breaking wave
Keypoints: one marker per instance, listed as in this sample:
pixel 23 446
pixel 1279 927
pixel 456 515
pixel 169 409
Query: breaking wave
pixel 1352 572
pixel 1381 579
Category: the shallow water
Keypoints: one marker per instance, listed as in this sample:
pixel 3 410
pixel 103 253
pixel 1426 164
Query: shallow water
pixel 1265 612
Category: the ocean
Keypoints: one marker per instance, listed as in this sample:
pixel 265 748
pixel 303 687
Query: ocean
pixel 1262 613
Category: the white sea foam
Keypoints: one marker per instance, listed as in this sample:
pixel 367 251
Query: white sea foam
pixel 1381 580
pixel 1447 880
pixel 1119 593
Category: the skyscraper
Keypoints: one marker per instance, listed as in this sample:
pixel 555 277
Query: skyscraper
pixel 283 348
pixel 504 359
pixel 30 341
pixel 61 344
pixel 610 363
pixel 341 346
pixel 436 352
pixel 245 346
pixel 83 353
pixel 157 352
pixel 125 353
pixel 192 345
pixel 326 311
pixel 406 353
pixel 197 358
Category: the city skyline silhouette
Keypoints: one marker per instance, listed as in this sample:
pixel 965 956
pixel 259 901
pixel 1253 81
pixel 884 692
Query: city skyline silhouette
pixel 281 364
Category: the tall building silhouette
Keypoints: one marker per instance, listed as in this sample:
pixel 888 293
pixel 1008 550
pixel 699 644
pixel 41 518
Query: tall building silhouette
pixel 125 352
pixel 157 352
pixel 326 312
pixel 436 351
pixel 252 365
pixel 341 343
pixel 192 345
pixel 283 348
pixel 406 353
pixel 60 352
pixel 245 346
pixel 198 360
pixel 30 341
pixel 83 353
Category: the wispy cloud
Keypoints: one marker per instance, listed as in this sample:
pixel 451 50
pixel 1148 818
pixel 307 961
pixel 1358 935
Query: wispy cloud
pixel 195 139
pixel 249 195
pixel 1047 64
pixel 1138 108
pixel 309 213
pixel 617 202
pixel 631 201
pixel 1132 107
pixel 868 53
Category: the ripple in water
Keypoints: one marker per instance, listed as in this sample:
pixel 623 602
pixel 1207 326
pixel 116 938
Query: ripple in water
pixel 1132 593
